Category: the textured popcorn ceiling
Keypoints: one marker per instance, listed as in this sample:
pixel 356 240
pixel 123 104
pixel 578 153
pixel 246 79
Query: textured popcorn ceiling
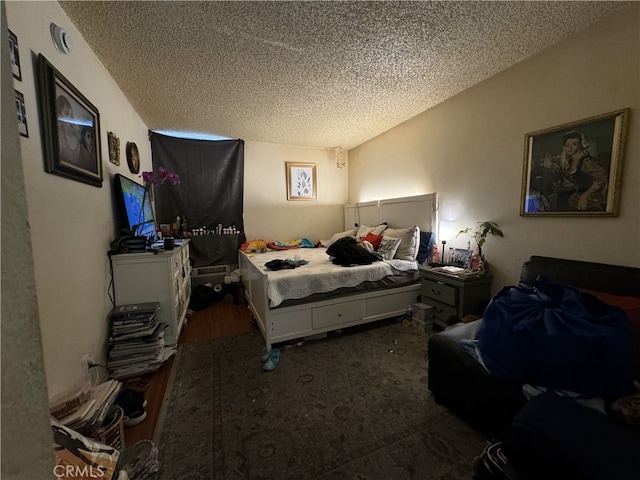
pixel 322 74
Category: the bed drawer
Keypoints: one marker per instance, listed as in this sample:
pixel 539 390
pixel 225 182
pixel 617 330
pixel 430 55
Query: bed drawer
pixel 337 314
pixel 383 305
pixel 292 324
pixel 438 291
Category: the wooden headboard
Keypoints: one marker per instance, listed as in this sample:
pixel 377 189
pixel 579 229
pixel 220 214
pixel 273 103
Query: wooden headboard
pixel 397 212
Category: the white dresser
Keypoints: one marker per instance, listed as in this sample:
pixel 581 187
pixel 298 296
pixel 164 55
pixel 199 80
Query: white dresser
pixel 163 277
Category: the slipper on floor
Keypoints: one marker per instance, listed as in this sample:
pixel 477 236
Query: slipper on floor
pixel 266 356
pixel 272 361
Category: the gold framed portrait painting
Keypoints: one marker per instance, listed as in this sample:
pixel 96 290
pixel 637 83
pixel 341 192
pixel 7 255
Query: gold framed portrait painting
pixel 575 169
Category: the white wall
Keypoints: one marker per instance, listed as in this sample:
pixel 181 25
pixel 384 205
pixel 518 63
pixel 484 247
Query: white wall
pixel 71 223
pixel 470 149
pixel 269 215
pixel 26 428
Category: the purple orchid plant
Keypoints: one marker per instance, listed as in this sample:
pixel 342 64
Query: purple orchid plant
pixel 163 175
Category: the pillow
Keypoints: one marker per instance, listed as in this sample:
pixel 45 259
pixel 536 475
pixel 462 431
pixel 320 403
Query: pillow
pixel 337 236
pixel 373 239
pixel 388 247
pixel 409 241
pixel 631 306
pixel 427 240
pixel 367 246
pixel 363 230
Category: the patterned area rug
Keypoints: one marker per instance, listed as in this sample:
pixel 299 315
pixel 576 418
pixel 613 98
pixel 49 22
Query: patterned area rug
pixel 352 406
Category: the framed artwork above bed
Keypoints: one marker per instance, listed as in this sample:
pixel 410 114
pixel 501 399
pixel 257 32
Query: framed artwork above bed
pixel 301 181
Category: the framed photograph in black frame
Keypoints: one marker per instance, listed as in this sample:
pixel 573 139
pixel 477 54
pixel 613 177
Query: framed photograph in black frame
pixel 459 257
pixel 575 169
pixel 14 52
pixel 21 113
pixel 70 128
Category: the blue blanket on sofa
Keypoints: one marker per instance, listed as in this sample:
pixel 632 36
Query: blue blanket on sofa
pixel 556 336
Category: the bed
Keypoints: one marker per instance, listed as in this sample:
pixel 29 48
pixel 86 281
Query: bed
pixel 318 296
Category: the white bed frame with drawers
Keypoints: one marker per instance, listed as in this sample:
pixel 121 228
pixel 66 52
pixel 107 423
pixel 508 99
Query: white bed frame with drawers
pixel 297 321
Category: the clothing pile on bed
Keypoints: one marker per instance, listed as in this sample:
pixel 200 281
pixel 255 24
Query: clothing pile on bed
pixel 298 243
pixel 279 264
pixel 261 246
pixel 347 252
pixel 254 246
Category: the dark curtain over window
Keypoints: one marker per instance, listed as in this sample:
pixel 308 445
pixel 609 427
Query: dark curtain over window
pixel 211 185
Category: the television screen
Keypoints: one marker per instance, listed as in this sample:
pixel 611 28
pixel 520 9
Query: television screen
pixel 134 203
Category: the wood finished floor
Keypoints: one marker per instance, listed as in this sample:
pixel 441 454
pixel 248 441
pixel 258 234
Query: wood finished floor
pixel 219 320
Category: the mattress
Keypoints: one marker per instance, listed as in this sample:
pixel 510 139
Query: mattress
pixel 320 278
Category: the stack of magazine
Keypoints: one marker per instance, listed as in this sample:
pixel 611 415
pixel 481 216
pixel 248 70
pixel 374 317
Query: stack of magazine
pixel 93 410
pixel 137 341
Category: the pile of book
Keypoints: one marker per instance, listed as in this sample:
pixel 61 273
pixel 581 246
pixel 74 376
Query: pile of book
pixel 458 271
pixel 137 341
pixel 88 414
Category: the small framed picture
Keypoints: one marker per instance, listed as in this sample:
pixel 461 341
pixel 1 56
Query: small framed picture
pixel 22 115
pixel 301 181
pixel 114 148
pixel 70 128
pixel 459 257
pixel 15 56
pixel 165 228
pixel 575 169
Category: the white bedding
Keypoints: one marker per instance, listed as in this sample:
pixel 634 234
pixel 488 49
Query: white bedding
pixel 320 275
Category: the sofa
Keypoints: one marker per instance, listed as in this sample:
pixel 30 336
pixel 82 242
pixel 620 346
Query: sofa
pixel 459 382
pixel 556 438
pixel 548 436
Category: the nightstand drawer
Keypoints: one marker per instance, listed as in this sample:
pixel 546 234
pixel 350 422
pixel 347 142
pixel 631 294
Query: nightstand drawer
pixel 441 311
pixel 440 292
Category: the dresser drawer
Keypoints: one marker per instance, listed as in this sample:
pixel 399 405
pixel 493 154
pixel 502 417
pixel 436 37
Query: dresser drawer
pixel 176 262
pixel 438 291
pixel 441 311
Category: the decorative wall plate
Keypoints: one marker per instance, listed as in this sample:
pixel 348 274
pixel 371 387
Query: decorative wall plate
pixel 133 157
pixel 114 148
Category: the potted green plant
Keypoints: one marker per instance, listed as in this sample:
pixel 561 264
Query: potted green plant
pixel 480 234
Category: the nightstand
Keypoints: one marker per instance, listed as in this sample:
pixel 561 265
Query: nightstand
pixel 454 296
